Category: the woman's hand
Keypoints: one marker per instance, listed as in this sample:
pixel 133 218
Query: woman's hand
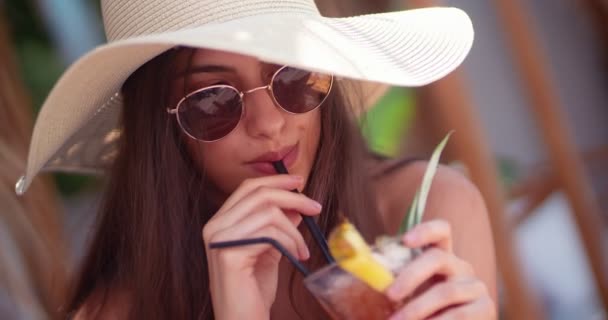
pixel 243 280
pixel 437 284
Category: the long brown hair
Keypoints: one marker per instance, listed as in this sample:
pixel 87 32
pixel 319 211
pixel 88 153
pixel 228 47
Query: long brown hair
pixel 148 235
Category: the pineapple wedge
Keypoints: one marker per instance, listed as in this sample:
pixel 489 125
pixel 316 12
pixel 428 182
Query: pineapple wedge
pixel 355 256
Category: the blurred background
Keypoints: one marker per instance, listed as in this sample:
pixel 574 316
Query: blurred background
pixel 529 109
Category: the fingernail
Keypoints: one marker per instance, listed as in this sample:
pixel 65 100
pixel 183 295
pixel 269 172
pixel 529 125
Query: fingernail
pixel 296 177
pixel 411 237
pixel 306 254
pixel 317 205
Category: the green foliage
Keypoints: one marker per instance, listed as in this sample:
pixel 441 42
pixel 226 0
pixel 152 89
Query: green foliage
pixel 384 125
pixel 416 209
pixel 71 184
pixel 24 22
pixel 40 68
pixel 37 60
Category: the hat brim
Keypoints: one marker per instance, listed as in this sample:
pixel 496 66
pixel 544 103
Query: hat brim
pixel 406 48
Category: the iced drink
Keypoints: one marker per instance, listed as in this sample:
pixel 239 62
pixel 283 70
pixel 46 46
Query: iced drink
pixel 345 296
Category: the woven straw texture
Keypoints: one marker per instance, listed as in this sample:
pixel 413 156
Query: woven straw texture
pixel 77 126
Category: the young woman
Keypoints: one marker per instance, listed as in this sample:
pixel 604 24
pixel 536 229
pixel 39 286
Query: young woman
pixel 200 125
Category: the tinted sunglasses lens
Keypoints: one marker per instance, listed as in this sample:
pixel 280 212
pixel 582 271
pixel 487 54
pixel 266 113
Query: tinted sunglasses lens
pixel 300 91
pixel 210 114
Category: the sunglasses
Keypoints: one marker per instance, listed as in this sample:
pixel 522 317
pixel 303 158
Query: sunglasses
pixel 211 113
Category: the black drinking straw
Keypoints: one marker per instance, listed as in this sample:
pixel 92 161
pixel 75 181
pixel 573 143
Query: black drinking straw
pixel 310 223
pixel 271 241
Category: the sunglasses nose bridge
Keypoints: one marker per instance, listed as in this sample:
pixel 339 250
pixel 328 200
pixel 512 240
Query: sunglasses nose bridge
pixel 267 87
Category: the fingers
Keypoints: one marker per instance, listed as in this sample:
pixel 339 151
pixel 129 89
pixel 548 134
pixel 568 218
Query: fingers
pixel 458 295
pixel 440 296
pixel 432 262
pixel 241 258
pixel 480 309
pixel 263 197
pixel 281 181
pixel 249 228
pixel 435 233
pixel 294 217
pixel 261 207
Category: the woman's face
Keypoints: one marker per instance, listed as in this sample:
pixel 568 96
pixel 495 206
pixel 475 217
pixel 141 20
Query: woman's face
pixel 265 132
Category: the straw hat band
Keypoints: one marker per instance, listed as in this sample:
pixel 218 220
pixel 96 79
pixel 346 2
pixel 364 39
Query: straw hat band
pixel 127 19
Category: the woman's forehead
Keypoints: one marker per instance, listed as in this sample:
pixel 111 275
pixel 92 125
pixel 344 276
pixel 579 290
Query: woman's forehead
pixel 201 56
pixel 189 60
pixel 223 58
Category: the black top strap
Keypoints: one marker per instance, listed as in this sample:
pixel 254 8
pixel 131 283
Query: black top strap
pixel 392 164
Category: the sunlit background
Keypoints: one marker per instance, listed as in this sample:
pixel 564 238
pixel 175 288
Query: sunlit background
pixel 529 109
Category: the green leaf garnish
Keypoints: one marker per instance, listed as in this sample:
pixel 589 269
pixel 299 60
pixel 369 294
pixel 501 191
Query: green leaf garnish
pixel 416 209
pixel 410 219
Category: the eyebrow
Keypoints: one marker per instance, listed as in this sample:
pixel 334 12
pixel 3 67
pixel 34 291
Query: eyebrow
pixel 205 68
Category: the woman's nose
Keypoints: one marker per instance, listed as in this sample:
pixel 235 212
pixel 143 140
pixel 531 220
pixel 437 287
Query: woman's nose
pixel 262 117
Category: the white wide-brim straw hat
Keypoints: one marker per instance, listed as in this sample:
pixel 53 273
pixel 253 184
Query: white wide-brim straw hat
pixel 77 127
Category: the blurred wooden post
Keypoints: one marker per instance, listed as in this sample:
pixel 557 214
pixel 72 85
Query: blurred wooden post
pixel 38 231
pixel 597 11
pixel 566 161
pixel 453 109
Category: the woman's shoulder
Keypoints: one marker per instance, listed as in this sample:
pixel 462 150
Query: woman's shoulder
pixel 452 198
pixel 397 180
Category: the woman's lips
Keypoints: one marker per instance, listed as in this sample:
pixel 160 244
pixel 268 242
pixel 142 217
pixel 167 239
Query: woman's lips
pixel 266 167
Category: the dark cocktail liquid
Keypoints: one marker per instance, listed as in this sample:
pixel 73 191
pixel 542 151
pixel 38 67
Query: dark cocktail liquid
pixel 345 297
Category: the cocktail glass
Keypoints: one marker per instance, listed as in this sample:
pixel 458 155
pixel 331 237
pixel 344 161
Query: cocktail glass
pixel 343 296
pixel 346 297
